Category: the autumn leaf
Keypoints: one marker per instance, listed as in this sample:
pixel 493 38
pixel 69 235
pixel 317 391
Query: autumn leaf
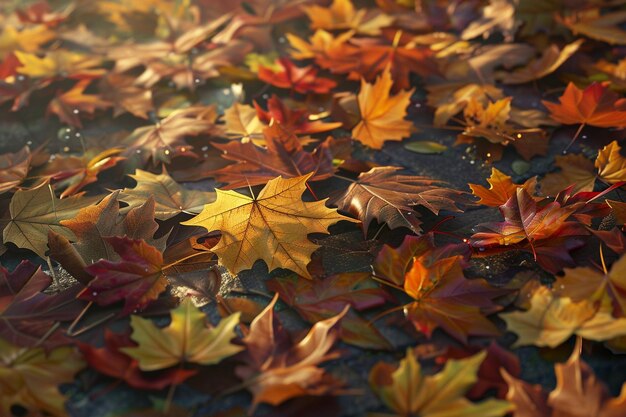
pixel 501 188
pixel 187 339
pixel 611 164
pixel 120 90
pixel 300 79
pixel 27 313
pixel 578 393
pixel 383 195
pixel 137 278
pixel 341 14
pixel 296 120
pixel 577 170
pixel 445 299
pixel 30 377
pixel 111 361
pixel 451 98
pixel 59 63
pixel 34 212
pixel 72 173
pixel 382 115
pixel 170 197
pixel 497 16
pixel 165 139
pixel 13 169
pixel 93 224
pixel 72 104
pixel 242 121
pixel 551 59
pixel 277 370
pixel 532 228
pixel 272 226
pixel 604 28
pixel 596 105
pixel 408 392
pixel 283 156
pixel 27 39
pixel 318 300
pixel 551 320
pixel 585 283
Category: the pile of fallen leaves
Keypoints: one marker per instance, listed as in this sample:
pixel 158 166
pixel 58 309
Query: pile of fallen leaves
pixel 201 145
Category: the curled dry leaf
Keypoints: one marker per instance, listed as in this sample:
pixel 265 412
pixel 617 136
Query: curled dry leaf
pixel 578 393
pixel 13 169
pixel 277 370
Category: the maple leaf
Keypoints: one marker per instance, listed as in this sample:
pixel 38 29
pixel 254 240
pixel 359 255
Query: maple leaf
pixel 586 283
pixel 34 212
pixel 59 63
pixel 341 14
pixel 120 90
pixel 532 227
pixel 13 169
pixel 31 377
pixel 321 299
pixel 187 339
pixel 551 320
pixel 501 189
pixel 27 314
pixel 578 393
pixel 384 195
pixel 137 278
pixel 272 226
pixel 451 98
pixel 164 140
pixel 73 173
pixel 408 392
pixel 300 79
pixel 170 197
pixel 489 376
pixel 277 370
pixel 577 170
pixel 242 121
pixel 27 39
pixel 72 104
pixel 596 105
pixel 498 15
pixel 111 361
pixel 604 28
pixel 283 155
pixel 298 121
pixel 382 115
pixel 93 224
pixel 551 59
pixel 445 298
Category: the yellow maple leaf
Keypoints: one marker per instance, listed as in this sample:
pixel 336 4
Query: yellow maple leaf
pixel 408 392
pixel 187 339
pixel 28 39
pixel 30 377
pixel 59 62
pixel 342 15
pixel 382 115
pixel 272 226
pixel 551 320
